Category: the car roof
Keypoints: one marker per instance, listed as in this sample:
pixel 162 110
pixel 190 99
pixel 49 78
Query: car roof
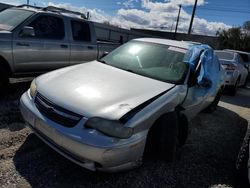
pixel 181 44
pixel 237 51
pixel 226 51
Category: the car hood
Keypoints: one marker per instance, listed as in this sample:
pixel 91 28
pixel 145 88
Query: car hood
pixel 96 89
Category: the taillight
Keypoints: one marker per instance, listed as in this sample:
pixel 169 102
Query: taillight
pixel 229 66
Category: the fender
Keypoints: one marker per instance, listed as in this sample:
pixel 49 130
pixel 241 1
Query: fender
pixel 165 103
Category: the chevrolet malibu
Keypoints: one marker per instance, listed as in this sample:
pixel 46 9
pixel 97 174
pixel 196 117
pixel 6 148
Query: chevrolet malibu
pixel 109 114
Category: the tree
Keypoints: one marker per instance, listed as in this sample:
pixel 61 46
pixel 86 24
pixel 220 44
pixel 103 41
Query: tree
pixel 246 25
pixel 237 38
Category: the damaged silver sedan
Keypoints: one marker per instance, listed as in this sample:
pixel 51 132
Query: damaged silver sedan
pixel 108 114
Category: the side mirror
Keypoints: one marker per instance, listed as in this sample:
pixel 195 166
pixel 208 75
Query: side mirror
pixel 205 82
pixel 27 32
pixel 103 55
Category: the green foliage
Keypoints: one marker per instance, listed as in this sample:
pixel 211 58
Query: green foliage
pixel 237 38
pixel 246 25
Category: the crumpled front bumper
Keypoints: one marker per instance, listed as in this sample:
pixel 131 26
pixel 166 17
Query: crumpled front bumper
pixel 105 154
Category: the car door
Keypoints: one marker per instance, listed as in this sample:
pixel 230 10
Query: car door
pixel 83 42
pixel 199 96
pixel 48 49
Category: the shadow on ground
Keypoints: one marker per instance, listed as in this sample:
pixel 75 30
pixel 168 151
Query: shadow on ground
pixel 10 116
pixel 207 159
pixel 242 98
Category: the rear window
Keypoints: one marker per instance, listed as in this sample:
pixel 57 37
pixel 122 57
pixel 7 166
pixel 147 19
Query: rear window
pixel 225 55
pixel 244 57
pixel 80 31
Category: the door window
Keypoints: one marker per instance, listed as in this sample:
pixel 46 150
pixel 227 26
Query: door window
pixel 80 31
pixel 48 27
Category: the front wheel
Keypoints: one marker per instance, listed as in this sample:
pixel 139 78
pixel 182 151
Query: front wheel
pixel 162 138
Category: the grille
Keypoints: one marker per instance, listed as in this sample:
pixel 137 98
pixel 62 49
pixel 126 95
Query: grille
pixel 56 113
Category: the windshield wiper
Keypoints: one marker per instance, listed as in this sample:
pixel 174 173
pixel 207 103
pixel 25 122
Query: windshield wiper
pixel 129 70
pixel 102 61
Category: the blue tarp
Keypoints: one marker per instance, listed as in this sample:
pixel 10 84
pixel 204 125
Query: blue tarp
pixel 209 69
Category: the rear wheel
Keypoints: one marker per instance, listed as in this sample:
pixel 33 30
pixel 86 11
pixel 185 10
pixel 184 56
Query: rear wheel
pixel 213 106
pixel 245 83
pixel 233 90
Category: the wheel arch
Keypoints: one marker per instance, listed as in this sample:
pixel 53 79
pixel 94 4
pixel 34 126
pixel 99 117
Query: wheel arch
pixel 182 128
pixel 4 64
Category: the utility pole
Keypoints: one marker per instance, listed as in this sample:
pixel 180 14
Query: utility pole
pixel 176 27
pixel 28 2
pixel 192 18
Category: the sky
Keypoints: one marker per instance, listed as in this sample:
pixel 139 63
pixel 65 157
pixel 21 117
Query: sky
pixel 211 15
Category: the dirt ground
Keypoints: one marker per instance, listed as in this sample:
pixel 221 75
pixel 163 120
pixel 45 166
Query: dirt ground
pixel 206 160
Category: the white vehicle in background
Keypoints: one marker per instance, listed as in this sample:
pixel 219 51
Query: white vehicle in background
pixel 236 73
pixel 245 56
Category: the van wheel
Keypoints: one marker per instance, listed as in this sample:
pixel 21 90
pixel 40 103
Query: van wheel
pixel 162 139
pixel 4 81
pixel 243 156
pixel 213 106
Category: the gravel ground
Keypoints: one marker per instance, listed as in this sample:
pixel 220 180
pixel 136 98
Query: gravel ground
pixel 206 160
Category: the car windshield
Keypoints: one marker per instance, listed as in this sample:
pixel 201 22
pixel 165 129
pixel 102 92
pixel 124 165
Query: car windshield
pixel 225 55
pixel 10 18
pixel 160 62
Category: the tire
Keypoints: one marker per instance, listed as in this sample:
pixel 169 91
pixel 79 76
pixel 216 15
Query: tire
pixel 213 106
pixel 162 138
pixel 182 130
pixel 243 157
pixel 233 90
pixel 245 83
pixel 4 81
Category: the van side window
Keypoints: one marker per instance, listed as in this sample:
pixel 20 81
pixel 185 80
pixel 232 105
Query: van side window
pixel 80 31
pixel 48 27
